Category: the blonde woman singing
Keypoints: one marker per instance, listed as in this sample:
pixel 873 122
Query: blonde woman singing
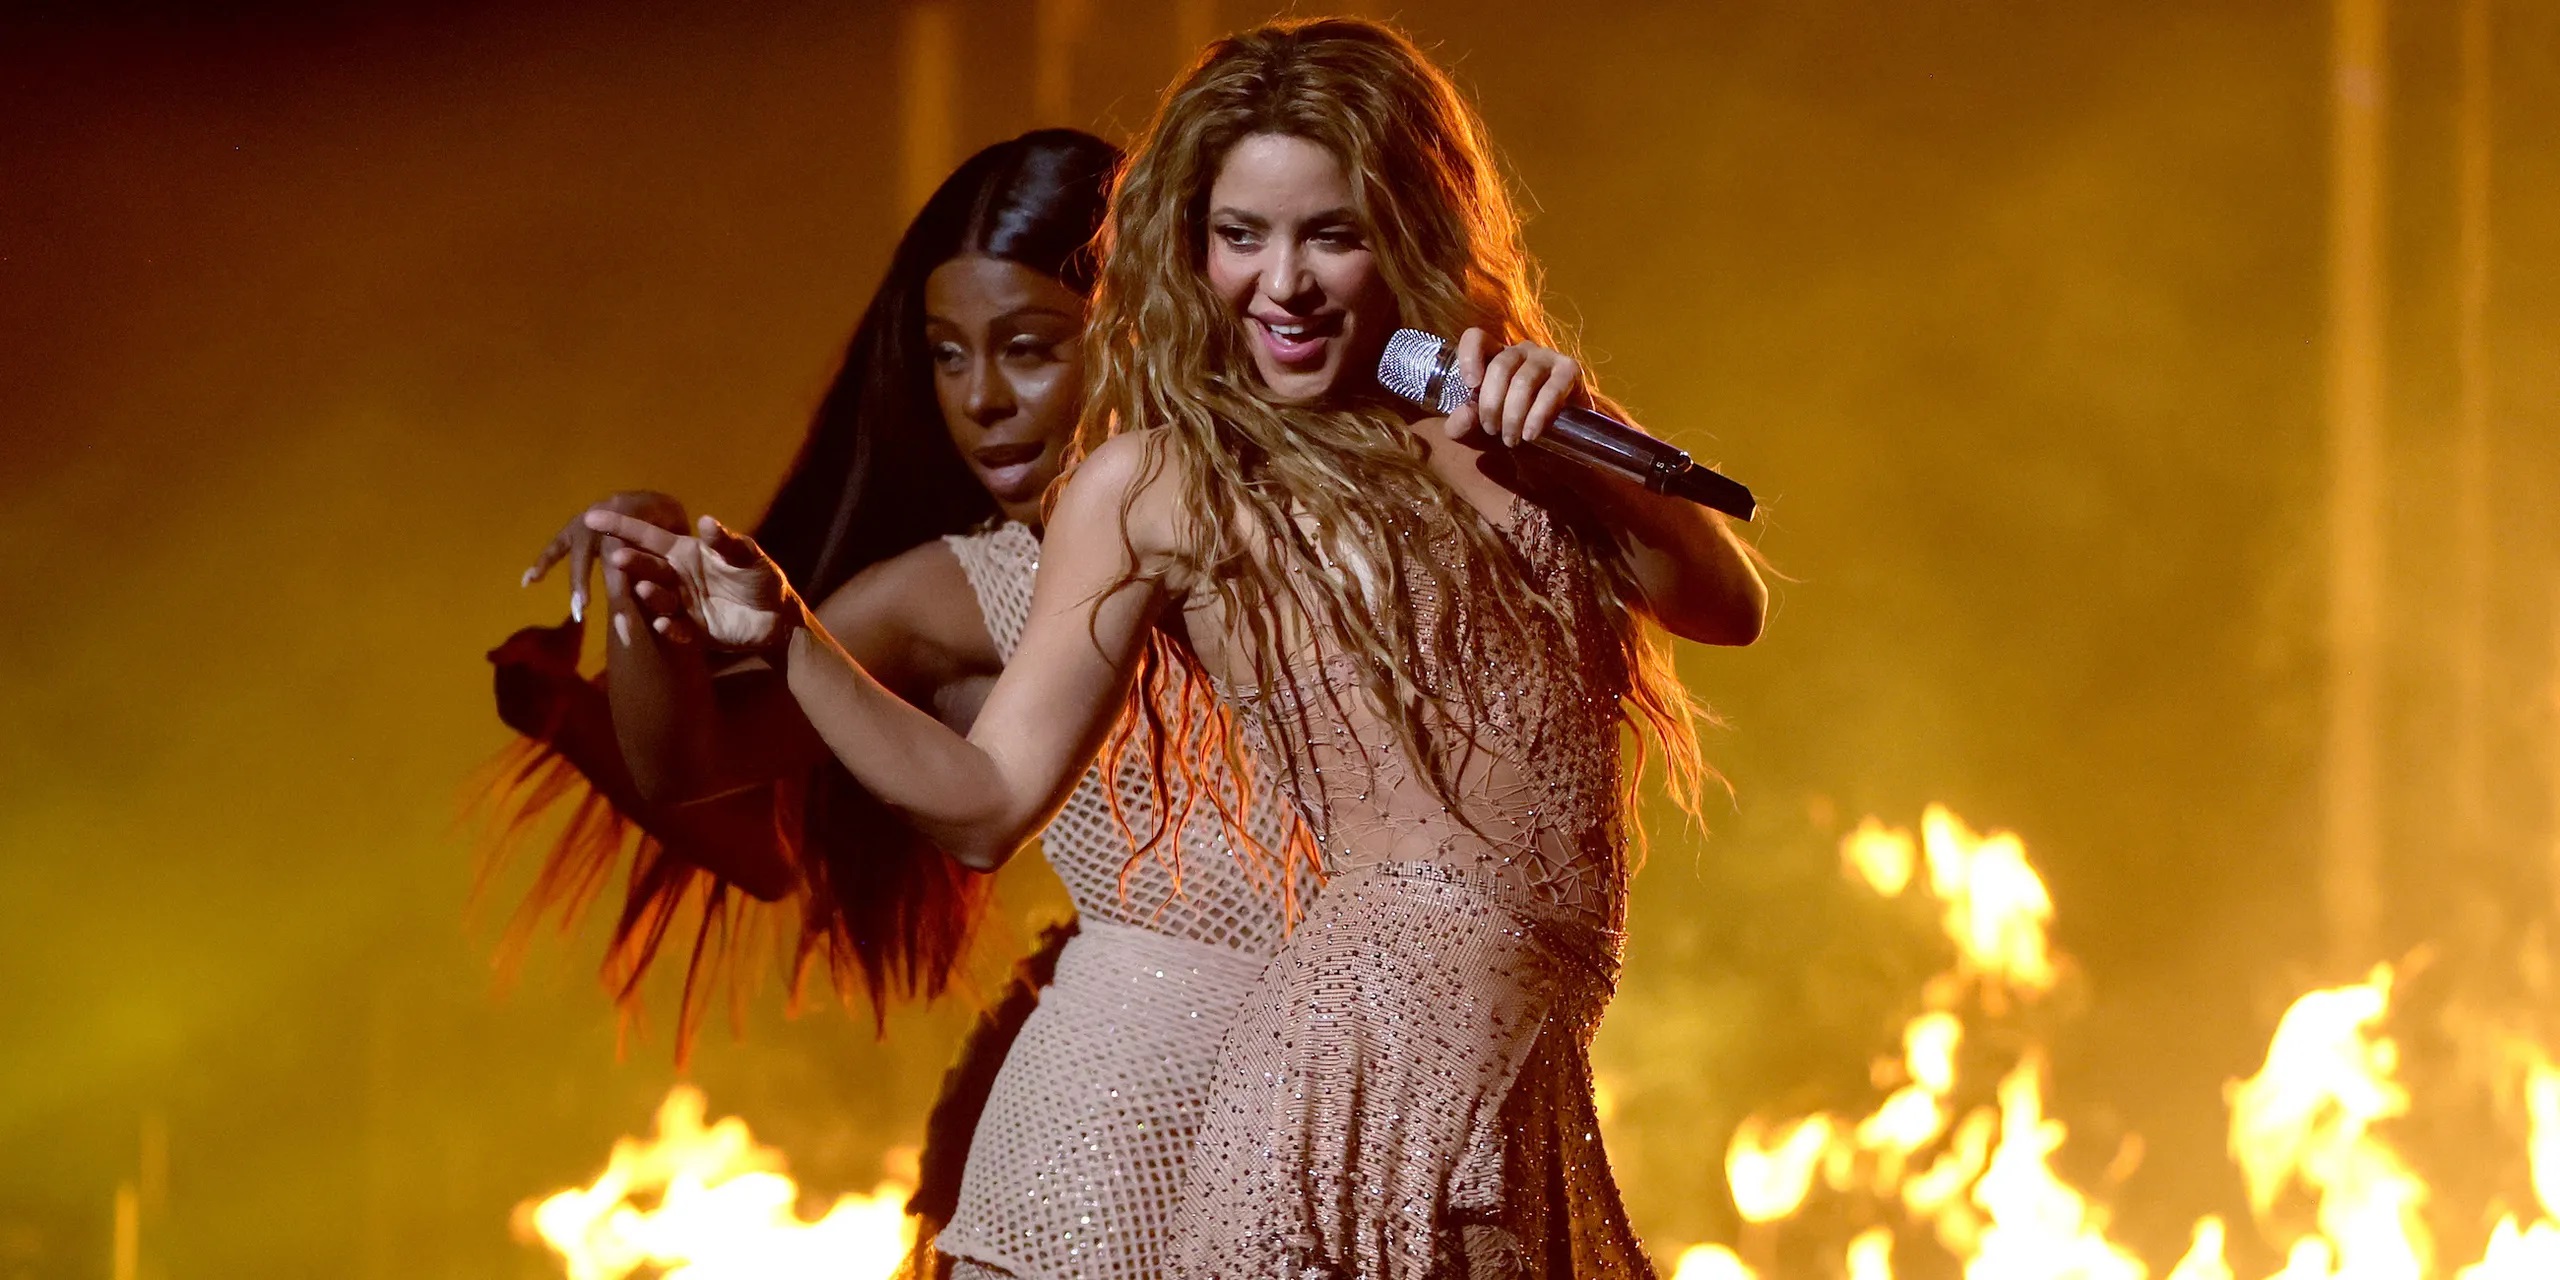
pixel 1434 640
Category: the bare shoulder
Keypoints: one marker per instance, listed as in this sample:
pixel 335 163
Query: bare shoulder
pixel 915 609
pixel 1130 484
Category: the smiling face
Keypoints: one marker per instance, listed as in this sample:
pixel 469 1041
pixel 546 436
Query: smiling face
pixel 1008 370
pixel 1290 258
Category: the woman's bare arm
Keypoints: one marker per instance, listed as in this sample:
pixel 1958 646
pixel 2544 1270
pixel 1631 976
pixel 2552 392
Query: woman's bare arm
pixel 732 837
pixel 1697 578
pixel 981 797
pixel 692 736
pixel 666 718
pixel 978 797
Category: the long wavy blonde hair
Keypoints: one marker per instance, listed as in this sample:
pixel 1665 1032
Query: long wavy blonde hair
pixel 1301 517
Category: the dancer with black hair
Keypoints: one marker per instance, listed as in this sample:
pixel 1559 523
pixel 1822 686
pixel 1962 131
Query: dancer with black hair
pixel 912 517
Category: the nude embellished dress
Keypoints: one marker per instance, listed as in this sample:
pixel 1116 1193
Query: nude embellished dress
pixel 1407 1093
pixel 1077 1160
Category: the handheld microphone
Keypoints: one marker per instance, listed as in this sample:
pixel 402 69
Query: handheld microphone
pixel 1423 368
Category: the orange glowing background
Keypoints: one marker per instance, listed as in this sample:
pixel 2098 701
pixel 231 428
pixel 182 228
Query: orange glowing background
pixel 317 320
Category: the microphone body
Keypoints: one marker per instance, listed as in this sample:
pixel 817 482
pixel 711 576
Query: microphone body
pixel 1423 368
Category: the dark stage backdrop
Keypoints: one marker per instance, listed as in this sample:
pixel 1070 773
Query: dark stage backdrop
pixel 315 322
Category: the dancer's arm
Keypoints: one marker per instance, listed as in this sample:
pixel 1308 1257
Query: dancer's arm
pixel 1697 579
pixel 981 796
pixel 690 735
pixel 658 713
pixel 644 736
pixel 680 731
pixel 542 696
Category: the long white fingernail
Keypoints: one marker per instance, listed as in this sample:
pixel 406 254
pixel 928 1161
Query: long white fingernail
pixel 526 580
pixel 622 629
pixel 577 606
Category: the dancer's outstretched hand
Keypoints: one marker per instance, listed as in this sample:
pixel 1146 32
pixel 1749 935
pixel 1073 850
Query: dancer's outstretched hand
pixel 580 545
pixel 716 586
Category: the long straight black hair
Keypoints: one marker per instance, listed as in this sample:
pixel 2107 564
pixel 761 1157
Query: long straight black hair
pixel 877 475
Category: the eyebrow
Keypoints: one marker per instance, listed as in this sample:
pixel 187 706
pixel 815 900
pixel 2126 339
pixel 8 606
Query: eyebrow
pixel 1340 213
pixel 1034 309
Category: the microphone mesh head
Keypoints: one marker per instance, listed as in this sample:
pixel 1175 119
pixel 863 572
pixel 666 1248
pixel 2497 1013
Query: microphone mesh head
pixel 1405 370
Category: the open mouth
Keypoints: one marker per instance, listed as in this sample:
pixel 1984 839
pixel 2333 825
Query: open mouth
pixel 1297 341
pixel 1010 469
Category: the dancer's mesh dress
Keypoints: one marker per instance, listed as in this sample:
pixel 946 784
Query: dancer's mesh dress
pixel 1078 1157
pixel 1407 1092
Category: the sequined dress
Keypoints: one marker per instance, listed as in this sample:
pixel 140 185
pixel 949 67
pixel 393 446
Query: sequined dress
pixel 1407 1093
pixel 1077 1159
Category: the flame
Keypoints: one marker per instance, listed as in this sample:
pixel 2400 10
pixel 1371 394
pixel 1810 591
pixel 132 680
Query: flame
pixel 2204 1259
pixel 706 1202
pixel 1770 1178
pixel 724 1210
pixel 2307 1131
pixel 1997 907
pixel 2038 1227
pixel 1711 1262
pixel 2542 1109
pixel 1871 1255
pixel 2308 1120
pixel 1929 1051
pixel 1987 1193
pixel 1915 1114
pixel 1938 1194
pixel 2517 1251
pixel 1881 856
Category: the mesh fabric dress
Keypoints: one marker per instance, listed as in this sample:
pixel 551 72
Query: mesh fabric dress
pixel 1407 1092
pixel 1078 1157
